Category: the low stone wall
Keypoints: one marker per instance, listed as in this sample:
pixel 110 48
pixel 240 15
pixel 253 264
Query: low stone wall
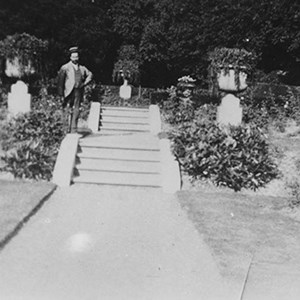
pixel 65 162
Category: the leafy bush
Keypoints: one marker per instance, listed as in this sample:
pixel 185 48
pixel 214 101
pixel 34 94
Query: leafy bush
pixel 128 65
pixel 202 97
pixel 30 160
pixel 41 125
pixel 43 86
pixel 258 116
pixel 206 113
pixel 158 97
pixel 271 107
pixel 93 92
pixel 53 102
pixel 31 141
pixel 3 96
pixel 175 112
pixel 238 158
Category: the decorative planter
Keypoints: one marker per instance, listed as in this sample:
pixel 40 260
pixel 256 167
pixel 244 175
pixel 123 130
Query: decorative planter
pixel 185 91
pixel 182 86
pixel 15 69
pixel 228 80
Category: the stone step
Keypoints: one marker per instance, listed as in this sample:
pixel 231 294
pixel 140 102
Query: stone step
pixel 107 133
pixel 133 141
pixel 129 142
pixel 124 126
pixel 127 108
pixel 124 119
pixel 118 154
pixel 139 114
pixel 117 178
pixel 116 131
pixel 119 165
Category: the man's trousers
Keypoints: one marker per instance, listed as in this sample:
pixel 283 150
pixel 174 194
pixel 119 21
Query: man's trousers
pixel 71 105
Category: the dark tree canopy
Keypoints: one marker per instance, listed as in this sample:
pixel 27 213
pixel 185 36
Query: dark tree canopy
pixel 172 37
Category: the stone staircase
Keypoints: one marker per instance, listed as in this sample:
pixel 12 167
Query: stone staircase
pixel 122 152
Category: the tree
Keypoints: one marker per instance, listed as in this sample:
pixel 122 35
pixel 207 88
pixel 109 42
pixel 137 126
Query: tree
pixel 128 65
pixel 64 24
pixel 129 19
pixel 172 37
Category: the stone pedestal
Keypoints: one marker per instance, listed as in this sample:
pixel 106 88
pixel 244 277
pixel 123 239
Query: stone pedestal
pixel 230 112
pixel 125 90
pixel 94 116
pixel 19 100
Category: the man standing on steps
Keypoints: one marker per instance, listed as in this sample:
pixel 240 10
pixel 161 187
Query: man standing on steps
pixel 72 78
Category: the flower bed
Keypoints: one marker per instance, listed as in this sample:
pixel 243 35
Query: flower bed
pixel 237 158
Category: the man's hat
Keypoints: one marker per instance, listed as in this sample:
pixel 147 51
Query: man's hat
pixel 73 50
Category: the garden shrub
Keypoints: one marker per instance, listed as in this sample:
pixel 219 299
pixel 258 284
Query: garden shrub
pixel 3 96
pixel 270 109
pixel 158 97
pixel 202 97
pixel 175 112
pixel 206 112
pixel 31 141
pixel 238 158
pixel 53 103
pixel 256 115
pixel 202 105
pixel 36 125
pixel 93 92
pixel 31 160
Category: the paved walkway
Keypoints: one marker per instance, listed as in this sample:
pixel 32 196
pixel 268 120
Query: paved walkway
pixel 100 242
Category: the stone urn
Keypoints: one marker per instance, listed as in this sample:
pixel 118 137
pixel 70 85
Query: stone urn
pixel 185 91
pixel 230 81
pixel 16 70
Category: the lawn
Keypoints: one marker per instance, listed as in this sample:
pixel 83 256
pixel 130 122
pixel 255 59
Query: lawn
pixel 18 201
pixel 253 235
pixel 241 230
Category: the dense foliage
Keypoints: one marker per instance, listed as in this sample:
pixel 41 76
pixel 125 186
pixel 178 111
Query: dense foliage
pixel 271 105
pixel 172 37
pixel 31 141
pixel 64 24
pixel 24 49
pixel 128 65
pixel 175 36
pixel 236 157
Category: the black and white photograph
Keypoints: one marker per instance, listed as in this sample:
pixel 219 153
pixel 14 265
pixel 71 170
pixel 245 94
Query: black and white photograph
pixel 149 150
